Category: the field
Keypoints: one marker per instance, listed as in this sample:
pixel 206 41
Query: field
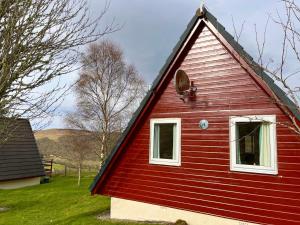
pixel 59 202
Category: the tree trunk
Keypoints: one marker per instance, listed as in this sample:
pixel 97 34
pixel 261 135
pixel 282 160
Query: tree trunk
pixel 102 149
pixel 79 174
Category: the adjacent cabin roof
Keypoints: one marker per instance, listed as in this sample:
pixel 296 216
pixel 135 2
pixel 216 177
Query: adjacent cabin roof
pixel 19 155
pixel 204 17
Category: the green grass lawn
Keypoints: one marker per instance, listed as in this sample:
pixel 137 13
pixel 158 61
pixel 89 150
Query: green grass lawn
pixel 59 202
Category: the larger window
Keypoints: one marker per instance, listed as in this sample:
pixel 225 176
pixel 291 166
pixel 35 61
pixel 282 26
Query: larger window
pixel 165 137
pixel 253 144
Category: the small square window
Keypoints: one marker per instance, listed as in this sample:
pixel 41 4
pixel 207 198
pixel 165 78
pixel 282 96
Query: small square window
pixel 165 141
pixel 253 144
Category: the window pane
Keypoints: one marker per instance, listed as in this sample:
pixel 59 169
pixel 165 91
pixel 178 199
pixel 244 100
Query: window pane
pixel 248 143
pixel 253 144
pixel 164 141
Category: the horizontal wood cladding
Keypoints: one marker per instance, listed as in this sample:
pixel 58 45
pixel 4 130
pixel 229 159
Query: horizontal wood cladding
pixel 279 205
pixel 204 183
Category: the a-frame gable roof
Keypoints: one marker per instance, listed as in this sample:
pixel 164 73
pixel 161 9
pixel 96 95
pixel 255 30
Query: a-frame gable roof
pixel 19 154
pixel 201 17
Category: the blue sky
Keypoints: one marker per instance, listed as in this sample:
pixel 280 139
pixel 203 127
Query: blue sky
pixel 152 28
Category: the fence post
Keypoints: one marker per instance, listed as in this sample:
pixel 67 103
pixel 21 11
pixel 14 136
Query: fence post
pixel 65 170
pixel 51 168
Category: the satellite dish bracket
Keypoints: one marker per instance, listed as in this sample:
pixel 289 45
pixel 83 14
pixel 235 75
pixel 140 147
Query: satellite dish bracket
pixel 189 94
pixel 185 88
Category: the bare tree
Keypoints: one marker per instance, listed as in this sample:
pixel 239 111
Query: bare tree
pixel 77 149
pixel 280 69
pixel 39 41
pixel 107 91
pixel 47 147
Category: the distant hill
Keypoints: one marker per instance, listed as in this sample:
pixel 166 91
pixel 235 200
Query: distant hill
pixel 56 144
pixel 55 134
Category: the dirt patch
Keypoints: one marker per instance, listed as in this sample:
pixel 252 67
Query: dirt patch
pixel 106 216
pixel 3 209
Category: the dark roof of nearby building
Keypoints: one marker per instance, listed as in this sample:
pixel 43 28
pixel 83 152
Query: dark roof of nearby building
pixel 19 155
pixel 206 15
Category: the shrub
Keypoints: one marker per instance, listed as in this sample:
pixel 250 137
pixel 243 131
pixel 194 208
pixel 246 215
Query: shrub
pixel 180 222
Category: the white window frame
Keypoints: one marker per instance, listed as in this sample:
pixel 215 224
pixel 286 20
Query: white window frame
pixel 273 169
pixel 169 162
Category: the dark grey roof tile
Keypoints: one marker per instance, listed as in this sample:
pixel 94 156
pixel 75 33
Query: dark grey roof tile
pixel 19 155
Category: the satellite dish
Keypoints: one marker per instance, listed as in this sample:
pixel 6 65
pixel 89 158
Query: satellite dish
pixel 182 82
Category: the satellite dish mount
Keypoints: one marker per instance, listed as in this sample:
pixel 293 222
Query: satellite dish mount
pixel 185 88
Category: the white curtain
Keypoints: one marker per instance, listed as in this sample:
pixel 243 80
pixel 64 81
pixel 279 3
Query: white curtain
pixel 264 145
pixel 237 142
pixel 174 141
pixel 156 142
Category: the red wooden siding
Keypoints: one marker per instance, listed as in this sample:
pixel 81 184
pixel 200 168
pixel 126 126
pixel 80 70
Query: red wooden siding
pixel 204 182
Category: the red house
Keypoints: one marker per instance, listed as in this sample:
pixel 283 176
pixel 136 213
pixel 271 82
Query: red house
pixel 221 154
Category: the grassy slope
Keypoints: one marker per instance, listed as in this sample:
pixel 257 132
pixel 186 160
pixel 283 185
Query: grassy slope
pixel 55 134
pixel 59 202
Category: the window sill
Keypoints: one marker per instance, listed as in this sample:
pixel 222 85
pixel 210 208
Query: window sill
pixel 254 169
pixel 165 162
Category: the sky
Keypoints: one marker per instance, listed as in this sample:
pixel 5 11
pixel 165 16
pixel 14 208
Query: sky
pixel 151 29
